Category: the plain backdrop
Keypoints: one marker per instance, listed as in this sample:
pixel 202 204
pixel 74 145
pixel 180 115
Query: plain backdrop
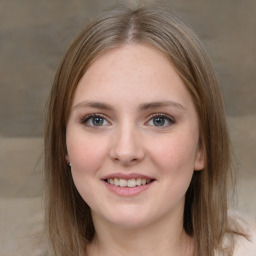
pixel 34 35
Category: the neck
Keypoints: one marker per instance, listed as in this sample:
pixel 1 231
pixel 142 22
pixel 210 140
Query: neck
pixel 155 239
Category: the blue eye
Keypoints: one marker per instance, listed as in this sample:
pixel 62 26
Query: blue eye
pixel 160 120
pixel 95 120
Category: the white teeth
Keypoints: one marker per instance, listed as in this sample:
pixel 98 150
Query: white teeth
pixel 123 183
pixel 116 182
pixel 138 182
pixel 131 183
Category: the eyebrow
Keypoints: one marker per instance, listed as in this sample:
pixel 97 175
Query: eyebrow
pixel 152 105
pixel 94 104
pixel 142 107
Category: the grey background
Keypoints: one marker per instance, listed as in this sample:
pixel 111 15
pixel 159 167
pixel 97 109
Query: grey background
pixel 33 38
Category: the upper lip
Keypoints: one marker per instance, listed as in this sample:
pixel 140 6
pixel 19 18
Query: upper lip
pixel 127 176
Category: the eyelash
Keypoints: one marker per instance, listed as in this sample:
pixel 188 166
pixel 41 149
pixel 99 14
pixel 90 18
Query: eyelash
pixel 85 119
pixel 170 119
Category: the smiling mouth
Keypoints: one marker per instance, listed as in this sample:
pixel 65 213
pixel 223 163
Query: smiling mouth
pixel 129 183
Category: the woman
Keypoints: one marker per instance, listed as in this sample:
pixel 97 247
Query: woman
pixel 137 153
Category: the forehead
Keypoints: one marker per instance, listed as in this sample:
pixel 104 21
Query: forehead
pixel 131 72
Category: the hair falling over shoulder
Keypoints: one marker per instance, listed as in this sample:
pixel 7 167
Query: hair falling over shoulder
pixel 68 217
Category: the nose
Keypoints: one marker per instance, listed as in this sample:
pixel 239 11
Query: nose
pixel 127 146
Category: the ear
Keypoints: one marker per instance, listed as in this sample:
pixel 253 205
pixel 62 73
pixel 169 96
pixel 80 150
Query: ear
pixel 199 163
pixel 67 158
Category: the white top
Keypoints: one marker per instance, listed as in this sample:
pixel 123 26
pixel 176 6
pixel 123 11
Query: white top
pixel 243 247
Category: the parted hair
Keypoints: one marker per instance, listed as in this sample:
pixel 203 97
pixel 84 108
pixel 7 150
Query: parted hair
pixel 68 219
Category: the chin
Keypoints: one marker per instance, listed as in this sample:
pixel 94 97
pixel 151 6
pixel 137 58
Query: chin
pixel 130 223
pixel 129 219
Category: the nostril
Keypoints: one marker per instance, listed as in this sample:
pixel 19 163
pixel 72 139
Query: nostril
pixel 126 161
pixel 126 155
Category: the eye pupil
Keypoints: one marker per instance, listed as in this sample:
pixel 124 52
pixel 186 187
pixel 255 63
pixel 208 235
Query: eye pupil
pixel 159 121
pixel 97 121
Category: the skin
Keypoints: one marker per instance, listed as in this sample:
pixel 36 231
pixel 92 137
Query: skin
pixel 124 83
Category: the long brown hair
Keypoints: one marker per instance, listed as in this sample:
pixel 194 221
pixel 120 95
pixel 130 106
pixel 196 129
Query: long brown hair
pixel 68 217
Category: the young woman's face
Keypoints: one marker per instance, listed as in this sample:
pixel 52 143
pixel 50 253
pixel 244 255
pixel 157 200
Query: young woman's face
pixel 132 138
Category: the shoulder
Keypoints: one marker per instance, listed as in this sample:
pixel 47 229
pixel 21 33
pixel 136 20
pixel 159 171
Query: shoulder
pixel 244 246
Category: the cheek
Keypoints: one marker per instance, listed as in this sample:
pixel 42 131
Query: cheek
pixel 176 154
pixel 86 154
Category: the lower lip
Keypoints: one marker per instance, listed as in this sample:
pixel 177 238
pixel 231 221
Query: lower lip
pixel 126 191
